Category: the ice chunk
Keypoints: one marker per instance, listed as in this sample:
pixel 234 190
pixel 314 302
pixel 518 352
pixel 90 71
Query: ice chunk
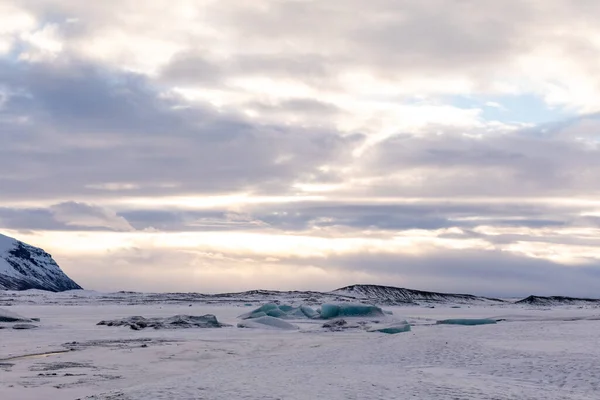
pixel 397 327
pixel 466 321
pixel 286 308
pixel 267 323
pixel 277 313
pixel 260 311
pixel 329 311
pixel 308 312
pixel 175 322
pixel 281 311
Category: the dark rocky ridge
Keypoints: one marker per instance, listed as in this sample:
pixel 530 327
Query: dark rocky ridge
pixel 557 300
pixel 393 295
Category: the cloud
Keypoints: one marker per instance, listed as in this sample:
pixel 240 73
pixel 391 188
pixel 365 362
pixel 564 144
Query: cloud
pixel 294 142
pixel 85 131
pixel 68 216
pixel 85 215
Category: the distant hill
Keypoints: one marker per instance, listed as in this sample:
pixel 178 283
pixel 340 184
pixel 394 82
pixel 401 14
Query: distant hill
pixel 393 295
pixel 25 267
pixel 556 301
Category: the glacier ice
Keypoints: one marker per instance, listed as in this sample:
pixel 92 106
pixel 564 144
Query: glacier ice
pixel 397 327
pixel 308 312
pixel 267 323
pixel 276 313
pixel 467 321
pixel 286 308
pixel 281 311
pixel 329 311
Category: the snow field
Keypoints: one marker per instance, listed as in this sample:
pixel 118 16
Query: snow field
pixel 534 354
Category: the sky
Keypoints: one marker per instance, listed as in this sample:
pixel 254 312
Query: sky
pixel 219 145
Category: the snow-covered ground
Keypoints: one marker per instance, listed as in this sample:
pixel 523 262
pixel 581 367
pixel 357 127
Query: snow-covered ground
pixel 533 353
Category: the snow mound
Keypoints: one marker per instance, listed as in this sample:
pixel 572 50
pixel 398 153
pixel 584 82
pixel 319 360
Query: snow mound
pixel 329 311
pixel 175 322
pixel 397 327
pixel 267 322
pixel 465 321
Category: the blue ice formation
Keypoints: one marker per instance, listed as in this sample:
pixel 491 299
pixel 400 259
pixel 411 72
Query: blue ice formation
pixel 471 321
pixel 281 311
pixel 329 311
pixel 309 312
pixel 267 323
pixel 397 327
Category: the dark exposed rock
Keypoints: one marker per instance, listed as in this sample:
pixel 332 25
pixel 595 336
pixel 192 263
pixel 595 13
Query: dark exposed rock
pixel 24 326
pixel 8 316
pixel 175 322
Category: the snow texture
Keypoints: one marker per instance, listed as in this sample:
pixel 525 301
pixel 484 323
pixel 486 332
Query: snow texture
pixel 542 354
pixel 267 322
pixel 26 267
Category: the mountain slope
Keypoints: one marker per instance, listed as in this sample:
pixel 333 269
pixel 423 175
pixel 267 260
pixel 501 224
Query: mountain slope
pixel 26 267
pixel 394 295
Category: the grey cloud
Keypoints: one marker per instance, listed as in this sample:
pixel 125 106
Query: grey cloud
pixel 195 69
pixel 68 216
pixel 300 217
pixel 495 164
pixel 85 215
pixel 86 127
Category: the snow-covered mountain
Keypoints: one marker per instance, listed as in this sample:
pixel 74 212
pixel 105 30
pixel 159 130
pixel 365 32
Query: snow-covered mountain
pixel 26 267
pixel 393 295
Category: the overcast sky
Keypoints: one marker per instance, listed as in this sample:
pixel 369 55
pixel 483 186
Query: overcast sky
pixel 219 145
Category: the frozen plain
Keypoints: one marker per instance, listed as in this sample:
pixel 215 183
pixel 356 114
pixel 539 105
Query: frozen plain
pixel 534 353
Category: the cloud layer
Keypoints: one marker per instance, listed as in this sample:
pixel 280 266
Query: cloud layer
pixel 450 145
